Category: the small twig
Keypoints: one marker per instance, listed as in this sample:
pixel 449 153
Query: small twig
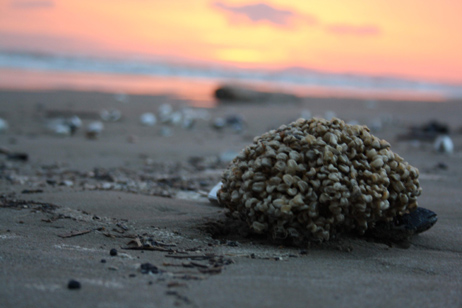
pixel 74 233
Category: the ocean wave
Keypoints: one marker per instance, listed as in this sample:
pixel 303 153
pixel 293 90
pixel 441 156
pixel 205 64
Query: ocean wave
pixel 298 77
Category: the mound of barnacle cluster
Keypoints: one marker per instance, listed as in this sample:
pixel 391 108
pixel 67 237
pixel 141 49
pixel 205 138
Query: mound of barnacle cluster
pixel 313 179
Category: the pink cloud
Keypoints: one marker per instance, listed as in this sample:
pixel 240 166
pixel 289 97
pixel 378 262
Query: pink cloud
pixel 262 12
pixel 354 30
pixel 38 4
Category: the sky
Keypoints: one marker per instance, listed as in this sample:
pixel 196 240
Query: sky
pixel 410 38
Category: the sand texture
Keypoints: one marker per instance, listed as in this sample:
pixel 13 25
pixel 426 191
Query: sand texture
pixel 141 190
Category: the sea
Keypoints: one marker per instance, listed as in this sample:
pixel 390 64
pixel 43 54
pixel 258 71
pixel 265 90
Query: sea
pixel 196 82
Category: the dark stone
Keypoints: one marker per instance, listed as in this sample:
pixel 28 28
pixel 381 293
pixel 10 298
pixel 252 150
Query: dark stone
pixel 18 156
pixel 147 268
pixel 113 252
pixel 73 285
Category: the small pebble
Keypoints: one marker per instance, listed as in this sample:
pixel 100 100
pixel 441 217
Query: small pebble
pixel 113 252
pixel 73 285
pixel 103 260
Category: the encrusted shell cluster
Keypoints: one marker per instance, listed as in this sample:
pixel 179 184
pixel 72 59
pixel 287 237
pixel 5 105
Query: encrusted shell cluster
pixel 313 179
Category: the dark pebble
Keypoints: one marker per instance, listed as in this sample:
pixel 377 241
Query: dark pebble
pixel 132 275
pixel 442 166
pixel 51 182
pixel 73 285
pixel 147 268
pixel 303 252
pixel 18 156
pixel 103 260
pixel 113 252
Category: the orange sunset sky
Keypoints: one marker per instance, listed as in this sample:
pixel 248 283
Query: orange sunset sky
pixel 410 38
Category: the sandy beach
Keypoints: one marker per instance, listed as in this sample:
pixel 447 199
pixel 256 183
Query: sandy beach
pixel 142 190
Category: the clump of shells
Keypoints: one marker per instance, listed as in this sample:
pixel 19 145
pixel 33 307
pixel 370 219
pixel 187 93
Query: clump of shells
pixel 313 179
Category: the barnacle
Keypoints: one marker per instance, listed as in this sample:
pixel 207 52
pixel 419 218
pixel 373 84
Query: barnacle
pixel 313 179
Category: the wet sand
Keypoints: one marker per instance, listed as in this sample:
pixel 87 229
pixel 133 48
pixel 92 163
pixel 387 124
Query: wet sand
pixel 75 199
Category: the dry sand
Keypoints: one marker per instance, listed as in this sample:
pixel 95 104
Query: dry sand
pixel 149 185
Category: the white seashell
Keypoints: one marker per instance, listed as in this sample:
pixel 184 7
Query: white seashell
pixel 213 194
pixel 176 118
pixel 60 129
pixel 164 112
pixel 113 115
pixel 95 127
pixel 444 144
pixel 3 125
pixel 148 119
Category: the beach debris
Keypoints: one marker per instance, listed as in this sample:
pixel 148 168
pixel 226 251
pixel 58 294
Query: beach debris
pixel 314 179
pixel 32 191
pixel 67 183
pixel 143 243
pixel 402 227
pixel 65 126
pixel 443 144
pixel 164 112
pixel 148 268
pixel 4 126
pixel 148 119
pixel 234 121
pixel 73 285
pixel 60 129
pixel 188 122
pixel 241 93
pixel 184 117
pixel 94 129
pixel 176 118
pixel 17 156
pixel 74 233
pixel 212 196
pixel 112 115
pixel 74 123
pixel 219 123
pixel 154 178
